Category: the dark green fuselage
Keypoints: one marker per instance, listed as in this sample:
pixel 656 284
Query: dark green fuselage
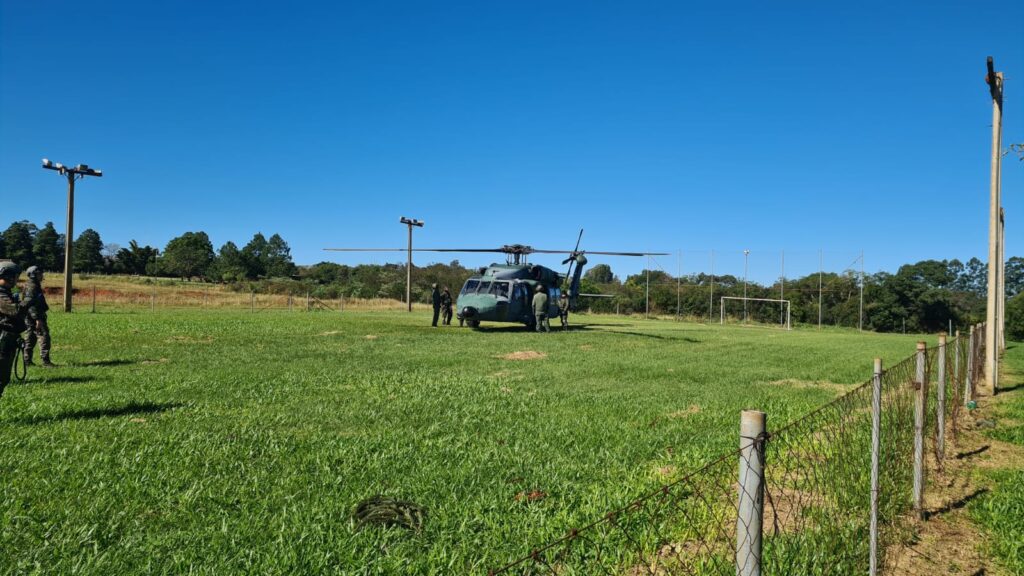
pixel 504 293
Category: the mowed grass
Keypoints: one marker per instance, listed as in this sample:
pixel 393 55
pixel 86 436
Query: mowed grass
pixel 230 442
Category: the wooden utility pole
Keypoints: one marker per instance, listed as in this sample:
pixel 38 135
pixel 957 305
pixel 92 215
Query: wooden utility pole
pixel 995 86
pixel 410 222
pixel 72 174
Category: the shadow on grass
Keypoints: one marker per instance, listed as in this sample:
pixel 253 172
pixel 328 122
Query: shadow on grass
pixel 975 452
pixel 115 362
pixel 584 328
pixel 1011 388
pixel 110 412
pixel 956 504
pixel 36 378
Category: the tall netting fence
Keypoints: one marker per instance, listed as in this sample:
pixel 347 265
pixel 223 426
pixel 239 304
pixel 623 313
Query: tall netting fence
pixel 808 509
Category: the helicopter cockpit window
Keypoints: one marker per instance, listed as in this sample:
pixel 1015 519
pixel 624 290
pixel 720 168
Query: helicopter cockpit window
pixel 500 289
pixel 485 287
pixel 470 286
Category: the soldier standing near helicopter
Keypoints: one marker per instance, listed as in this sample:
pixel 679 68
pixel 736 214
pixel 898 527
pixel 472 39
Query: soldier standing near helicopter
pixel 540 310
pixel 38 329
pixel 12 322
pixel 446 307
pixel 563 310
pixel 435 300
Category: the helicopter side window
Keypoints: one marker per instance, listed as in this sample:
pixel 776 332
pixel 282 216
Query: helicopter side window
pixel 485 287
pixel 470 286
pixel 500 289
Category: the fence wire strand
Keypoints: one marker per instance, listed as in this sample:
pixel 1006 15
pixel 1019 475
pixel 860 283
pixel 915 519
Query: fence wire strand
pixel 816 500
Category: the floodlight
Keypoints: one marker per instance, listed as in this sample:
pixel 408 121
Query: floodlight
pixel 47 163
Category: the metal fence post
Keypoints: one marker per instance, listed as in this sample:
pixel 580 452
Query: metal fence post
pixel 876 437
pixel 920 396
pixel 751 497
pixel 940 409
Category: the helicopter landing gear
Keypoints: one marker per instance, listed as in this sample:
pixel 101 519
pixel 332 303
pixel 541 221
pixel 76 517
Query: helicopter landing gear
pixel 462 322
pixel 474 324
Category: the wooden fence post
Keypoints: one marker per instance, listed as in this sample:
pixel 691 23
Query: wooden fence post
pixel 751 496
pixel 93 299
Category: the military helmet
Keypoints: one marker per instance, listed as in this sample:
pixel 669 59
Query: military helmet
pixel 34 272
pixel 9 269
pixel 540 288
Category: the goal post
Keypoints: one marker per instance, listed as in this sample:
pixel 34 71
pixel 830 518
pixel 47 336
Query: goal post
pixel 784 321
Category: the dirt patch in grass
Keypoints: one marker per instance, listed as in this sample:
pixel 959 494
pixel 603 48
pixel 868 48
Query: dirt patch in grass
pixel 372 336
pixel 524 355
pixel 157 361
pixel 807 384
pixel 948 542
pixel 685 412
pixel 329 333
pixel 190 340
pixel 530 496
pixel 586 347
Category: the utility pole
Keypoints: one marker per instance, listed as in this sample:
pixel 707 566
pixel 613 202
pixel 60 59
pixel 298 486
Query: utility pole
pixel 860 321
pixel 995 87
pixel 746 255
pixel 410 222
pixel 820 268
pixel 782 289
pixel 72 174
pixel 1002 268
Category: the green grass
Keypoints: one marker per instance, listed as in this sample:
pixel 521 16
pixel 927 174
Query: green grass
pixel 224 442
pixel 1001 510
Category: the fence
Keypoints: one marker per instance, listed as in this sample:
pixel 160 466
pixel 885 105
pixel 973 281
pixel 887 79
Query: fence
pixel 830 493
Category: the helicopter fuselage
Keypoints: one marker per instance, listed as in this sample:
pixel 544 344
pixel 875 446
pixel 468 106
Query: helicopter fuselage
pixel 504 293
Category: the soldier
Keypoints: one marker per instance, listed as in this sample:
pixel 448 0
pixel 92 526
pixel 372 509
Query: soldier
pixel 435 300
pixel 38 329
pixel 12 322
pixel 540 309
pixel 563 310
pixel 446 307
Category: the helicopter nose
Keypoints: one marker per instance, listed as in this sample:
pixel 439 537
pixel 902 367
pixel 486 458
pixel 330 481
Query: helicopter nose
pixel 468 312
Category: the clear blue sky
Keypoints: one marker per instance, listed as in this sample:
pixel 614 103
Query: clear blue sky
pixel 653 125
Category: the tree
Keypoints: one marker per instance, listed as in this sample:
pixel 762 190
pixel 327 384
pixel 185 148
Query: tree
pixel 135 258
pixel 254 257
pixel 229 266
pixel 48 248
pixel 278 258
pixel 188 255
pixel 18 243
pixel 88 252
pixel 600 274
pixel 1014 276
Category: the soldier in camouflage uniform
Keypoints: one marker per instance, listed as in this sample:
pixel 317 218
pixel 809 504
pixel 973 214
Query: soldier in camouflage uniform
pixel 12 322
pixel 435 301
pixel 540 310
pixel 446 307
pixel 38 329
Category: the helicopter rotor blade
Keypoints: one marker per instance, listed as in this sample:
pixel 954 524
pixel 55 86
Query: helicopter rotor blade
pixel 498 250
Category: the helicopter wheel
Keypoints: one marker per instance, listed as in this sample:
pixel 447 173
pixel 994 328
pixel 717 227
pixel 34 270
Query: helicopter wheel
pixel 473 323
pixel 462 322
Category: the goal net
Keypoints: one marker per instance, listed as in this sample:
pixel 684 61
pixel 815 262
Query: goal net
pixel 761 311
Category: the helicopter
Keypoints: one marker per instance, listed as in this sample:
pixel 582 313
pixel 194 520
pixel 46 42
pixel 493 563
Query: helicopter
pixel 504 292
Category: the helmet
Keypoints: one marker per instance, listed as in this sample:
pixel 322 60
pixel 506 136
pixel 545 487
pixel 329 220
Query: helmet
pixel 540 288
pixel 34 272
pixel 9 269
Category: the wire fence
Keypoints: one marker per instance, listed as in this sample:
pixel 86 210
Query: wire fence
pixel 829 493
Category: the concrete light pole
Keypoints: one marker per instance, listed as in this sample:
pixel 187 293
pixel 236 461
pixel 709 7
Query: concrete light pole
pixel 410 222
pixel 72 174
pixel 746 255
pixel 995 86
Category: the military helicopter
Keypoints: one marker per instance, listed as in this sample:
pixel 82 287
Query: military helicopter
pixel 504 292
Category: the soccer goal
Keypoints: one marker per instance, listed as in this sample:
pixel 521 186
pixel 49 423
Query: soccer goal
pixel 766 311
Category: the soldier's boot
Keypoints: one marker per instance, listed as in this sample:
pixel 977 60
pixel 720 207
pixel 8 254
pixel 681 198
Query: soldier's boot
pixel 27 354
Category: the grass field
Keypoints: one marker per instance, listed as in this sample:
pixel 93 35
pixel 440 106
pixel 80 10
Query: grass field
pixel 214 442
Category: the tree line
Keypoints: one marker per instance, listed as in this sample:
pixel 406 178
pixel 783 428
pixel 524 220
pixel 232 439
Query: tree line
pixel 921 297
